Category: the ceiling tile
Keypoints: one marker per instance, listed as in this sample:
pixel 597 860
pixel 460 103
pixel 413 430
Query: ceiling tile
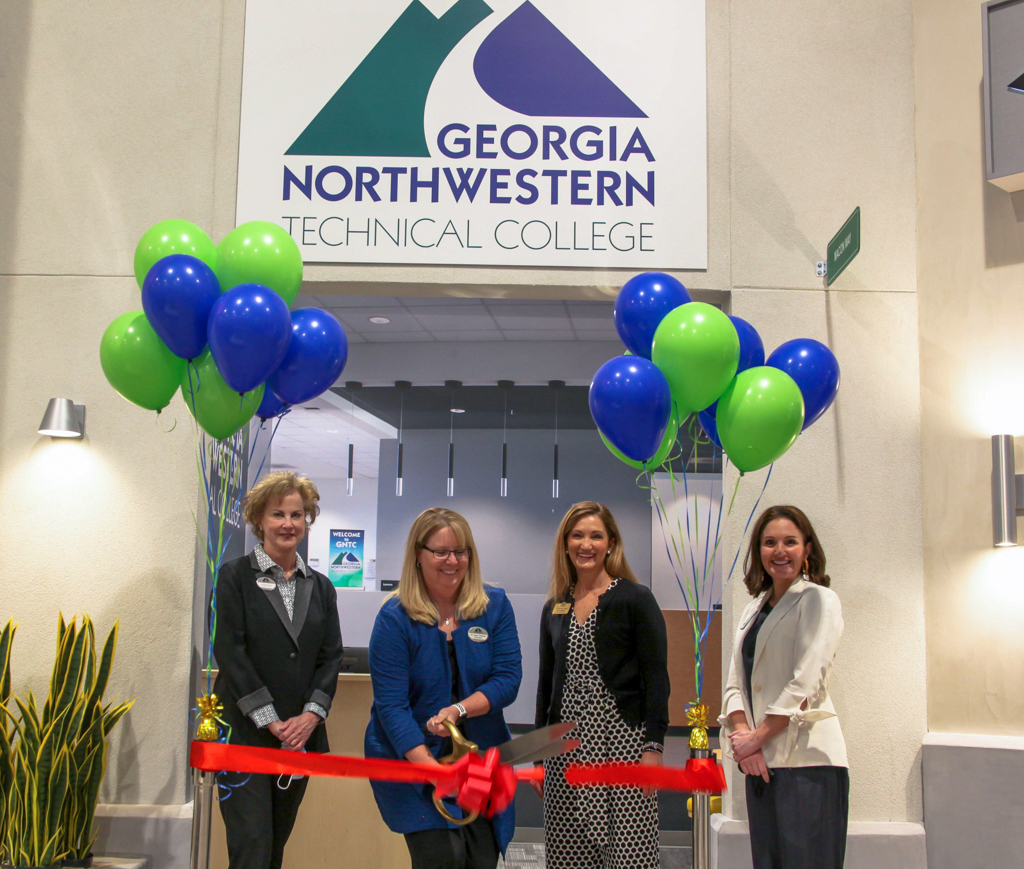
pixel 539 335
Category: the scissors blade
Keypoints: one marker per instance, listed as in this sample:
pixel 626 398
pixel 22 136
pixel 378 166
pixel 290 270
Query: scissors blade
pixel 535 745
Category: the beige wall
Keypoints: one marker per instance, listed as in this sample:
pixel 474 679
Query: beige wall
pixel 128 114
pixel 971 268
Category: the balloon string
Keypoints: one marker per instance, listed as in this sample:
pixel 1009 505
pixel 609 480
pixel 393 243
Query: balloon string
pixel 739 548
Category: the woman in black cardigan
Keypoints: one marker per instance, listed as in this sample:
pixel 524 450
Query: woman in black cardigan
pixel 278 647
pixel 603 664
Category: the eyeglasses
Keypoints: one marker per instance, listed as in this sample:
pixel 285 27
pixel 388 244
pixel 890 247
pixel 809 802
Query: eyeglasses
pixel 442 554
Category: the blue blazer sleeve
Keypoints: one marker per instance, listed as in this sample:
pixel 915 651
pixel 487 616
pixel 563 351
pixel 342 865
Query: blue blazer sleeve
pixel 389 672
pixel 506 674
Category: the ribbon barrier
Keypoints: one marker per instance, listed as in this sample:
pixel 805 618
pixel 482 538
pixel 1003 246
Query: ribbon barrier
pixel 700 775
pixel 477 782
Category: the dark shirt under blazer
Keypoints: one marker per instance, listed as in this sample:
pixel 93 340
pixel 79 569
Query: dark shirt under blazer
pixel 632 657
pixel 266 657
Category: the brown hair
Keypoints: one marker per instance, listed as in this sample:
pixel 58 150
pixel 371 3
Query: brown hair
pixel 563 571
pixel 412 591
pixel 755 577
pixel 274 485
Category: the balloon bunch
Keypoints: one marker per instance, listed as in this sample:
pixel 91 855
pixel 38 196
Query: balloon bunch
pixel 688 359
pixel 215 324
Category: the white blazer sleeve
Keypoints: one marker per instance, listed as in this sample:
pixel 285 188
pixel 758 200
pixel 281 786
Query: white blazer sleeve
pixel 817 638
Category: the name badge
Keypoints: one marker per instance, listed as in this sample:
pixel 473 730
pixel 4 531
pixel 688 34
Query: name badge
pixel 266 583
pixel 478 635
pixel 560 609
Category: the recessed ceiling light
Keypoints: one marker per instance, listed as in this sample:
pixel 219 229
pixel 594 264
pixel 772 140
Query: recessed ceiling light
pixel 458 410
pixel 380 321
pixel 332 431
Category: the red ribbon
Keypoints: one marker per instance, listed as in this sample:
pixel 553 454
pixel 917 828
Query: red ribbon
pixel 700 775
pixel 479 783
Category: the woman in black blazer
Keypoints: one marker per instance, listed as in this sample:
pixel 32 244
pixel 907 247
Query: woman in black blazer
pixel 604 665
pixel 278 649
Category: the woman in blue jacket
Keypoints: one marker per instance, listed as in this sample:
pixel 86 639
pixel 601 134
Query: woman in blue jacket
pixel 443 647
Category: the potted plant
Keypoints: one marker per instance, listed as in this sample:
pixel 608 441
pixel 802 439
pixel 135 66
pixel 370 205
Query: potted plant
pixel 52 760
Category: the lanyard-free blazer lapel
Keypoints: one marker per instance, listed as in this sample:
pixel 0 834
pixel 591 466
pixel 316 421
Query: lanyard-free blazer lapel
pixel 789 600
pixel 303 593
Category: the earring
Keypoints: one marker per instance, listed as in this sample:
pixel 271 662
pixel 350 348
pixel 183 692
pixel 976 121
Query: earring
pixel 807 569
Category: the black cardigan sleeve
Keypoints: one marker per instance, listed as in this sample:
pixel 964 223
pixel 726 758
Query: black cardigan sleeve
pixel 328 657
pixel 652 654
pixel 546 676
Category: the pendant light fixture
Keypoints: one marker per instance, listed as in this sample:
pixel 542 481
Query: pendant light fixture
pixel 351 386
pixel 401 386
pixel 452 385
pixel 504 386
pixel 556 385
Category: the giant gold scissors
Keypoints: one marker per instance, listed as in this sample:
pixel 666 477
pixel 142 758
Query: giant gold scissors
pixel 536 745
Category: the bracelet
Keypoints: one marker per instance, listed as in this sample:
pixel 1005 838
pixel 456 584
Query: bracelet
pixel 462 711
pixel 653 746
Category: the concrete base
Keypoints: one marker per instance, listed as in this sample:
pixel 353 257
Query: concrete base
pixel 160 834
pixel 973 800
pixel 869 845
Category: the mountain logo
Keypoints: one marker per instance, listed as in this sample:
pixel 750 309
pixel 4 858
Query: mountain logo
pixel 347 561
pixel 525 64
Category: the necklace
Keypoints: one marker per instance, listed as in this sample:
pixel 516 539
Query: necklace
pixel 447 622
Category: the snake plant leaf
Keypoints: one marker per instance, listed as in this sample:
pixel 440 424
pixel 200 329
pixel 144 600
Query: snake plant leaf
pixel 90 664
pixel 106 662
pixel 114 715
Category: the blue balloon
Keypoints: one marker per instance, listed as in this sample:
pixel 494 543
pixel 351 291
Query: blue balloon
pixel 270 407
pixel 709 422
pixel 751 356
pixel 631 403
pixel 178 294
pixel 642 304
pixel 249 332
pixel 751 345
pixel 816 371
pixel 315 358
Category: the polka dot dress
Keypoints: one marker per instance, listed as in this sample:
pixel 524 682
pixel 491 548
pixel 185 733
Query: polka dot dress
pixel 596 827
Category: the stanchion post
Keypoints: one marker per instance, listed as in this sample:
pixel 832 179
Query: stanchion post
pixel 701 821
pixel 203 785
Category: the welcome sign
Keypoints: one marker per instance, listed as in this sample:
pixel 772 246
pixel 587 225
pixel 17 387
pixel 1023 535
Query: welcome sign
pixel 495 132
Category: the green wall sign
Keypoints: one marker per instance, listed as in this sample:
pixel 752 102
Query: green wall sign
pixel 843 247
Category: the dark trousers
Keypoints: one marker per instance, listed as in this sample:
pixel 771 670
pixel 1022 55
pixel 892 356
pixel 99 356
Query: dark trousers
pixel 469 847
pixel 798 819
pixel 258 818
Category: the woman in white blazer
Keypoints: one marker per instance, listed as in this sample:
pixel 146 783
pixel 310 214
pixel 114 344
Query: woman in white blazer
pixel 781 725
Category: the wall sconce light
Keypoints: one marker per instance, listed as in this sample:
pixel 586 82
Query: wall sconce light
pixel 63 419
pixel 1007 492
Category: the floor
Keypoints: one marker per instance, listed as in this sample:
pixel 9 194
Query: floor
pixel 522 855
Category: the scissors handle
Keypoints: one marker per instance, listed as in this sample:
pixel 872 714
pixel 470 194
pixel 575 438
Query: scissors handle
pixel 460 748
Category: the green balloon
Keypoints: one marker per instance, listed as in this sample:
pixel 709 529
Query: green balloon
pixel 697 349
pixel 218 409
pixel 172 236
pixel 759 417
pixel 138 364
pixel 658 459
pixel 259 252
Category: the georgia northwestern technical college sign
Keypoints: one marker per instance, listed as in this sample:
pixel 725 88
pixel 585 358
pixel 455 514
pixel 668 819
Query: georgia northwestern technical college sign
pixel 459 132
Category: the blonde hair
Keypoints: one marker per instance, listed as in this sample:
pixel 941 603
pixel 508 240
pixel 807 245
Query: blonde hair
pixel 563 571
pixel 275 485
pixel 412 591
